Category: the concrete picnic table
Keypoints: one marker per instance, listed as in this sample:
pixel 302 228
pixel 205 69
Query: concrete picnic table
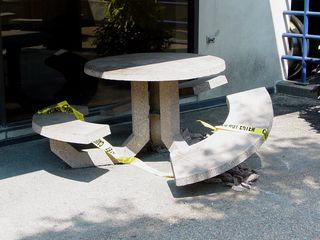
pixel 154 92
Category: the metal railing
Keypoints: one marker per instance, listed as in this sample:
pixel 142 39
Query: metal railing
pixel 305 37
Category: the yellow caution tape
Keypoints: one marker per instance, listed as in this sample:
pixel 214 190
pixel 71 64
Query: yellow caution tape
pixel 113 155
pixel 239 128
pixel 64 107
pixel 103 144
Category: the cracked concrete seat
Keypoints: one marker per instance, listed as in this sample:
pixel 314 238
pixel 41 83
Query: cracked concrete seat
pixel 204 84
pixel 70 138
pixel 224 150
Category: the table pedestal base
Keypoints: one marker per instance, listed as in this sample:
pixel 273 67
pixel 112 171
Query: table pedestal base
pixel 157 120
pixel 170 115
pixel 140 108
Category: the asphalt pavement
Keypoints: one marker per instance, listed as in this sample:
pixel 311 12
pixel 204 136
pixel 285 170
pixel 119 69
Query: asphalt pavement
pixel 43 199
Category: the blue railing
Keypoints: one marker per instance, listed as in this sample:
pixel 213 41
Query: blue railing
pixel 305 37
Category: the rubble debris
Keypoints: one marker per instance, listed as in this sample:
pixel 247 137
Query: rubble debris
pixel 251 178
pixel 246 185
pixel 192 138
pixel 239 188
pixel 226 177
pixel 240 178
pixel 197 135
pixel 186 135
pixel 213 180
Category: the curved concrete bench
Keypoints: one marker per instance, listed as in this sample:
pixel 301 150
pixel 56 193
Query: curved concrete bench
pixel 224 150
pixel 70 138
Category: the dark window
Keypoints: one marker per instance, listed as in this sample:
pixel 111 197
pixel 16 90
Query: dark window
pixel 45 44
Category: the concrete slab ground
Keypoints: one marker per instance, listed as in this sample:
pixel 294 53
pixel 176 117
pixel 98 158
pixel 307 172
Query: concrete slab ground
pixel 41 198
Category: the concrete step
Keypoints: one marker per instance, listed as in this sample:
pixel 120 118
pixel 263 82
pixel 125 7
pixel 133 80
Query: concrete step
pixel 292 88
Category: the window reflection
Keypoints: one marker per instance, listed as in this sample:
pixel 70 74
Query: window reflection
pixel 45 44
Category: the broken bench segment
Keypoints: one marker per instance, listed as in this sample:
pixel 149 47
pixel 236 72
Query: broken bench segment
pixel 203 84
pixel 224 150
pixel 210 84
pixel 70 139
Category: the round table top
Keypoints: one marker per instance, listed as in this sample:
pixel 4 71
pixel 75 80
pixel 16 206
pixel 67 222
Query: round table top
pixel 155 67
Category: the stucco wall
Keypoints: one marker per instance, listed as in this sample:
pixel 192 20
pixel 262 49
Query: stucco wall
pixel 248 38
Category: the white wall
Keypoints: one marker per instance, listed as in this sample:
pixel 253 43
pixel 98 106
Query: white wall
pixel 248 38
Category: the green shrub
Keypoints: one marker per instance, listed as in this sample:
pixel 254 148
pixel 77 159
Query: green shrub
pixel 131 26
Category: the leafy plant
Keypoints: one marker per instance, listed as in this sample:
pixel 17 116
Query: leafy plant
pixel 131 26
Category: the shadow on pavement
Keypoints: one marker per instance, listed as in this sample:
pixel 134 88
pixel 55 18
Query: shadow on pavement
pixel 35 156
pixel 196 189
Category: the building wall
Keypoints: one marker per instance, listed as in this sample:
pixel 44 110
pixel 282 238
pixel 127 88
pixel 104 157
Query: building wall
pixel 248 37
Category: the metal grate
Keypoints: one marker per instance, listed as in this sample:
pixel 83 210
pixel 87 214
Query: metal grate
pixel 305 36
